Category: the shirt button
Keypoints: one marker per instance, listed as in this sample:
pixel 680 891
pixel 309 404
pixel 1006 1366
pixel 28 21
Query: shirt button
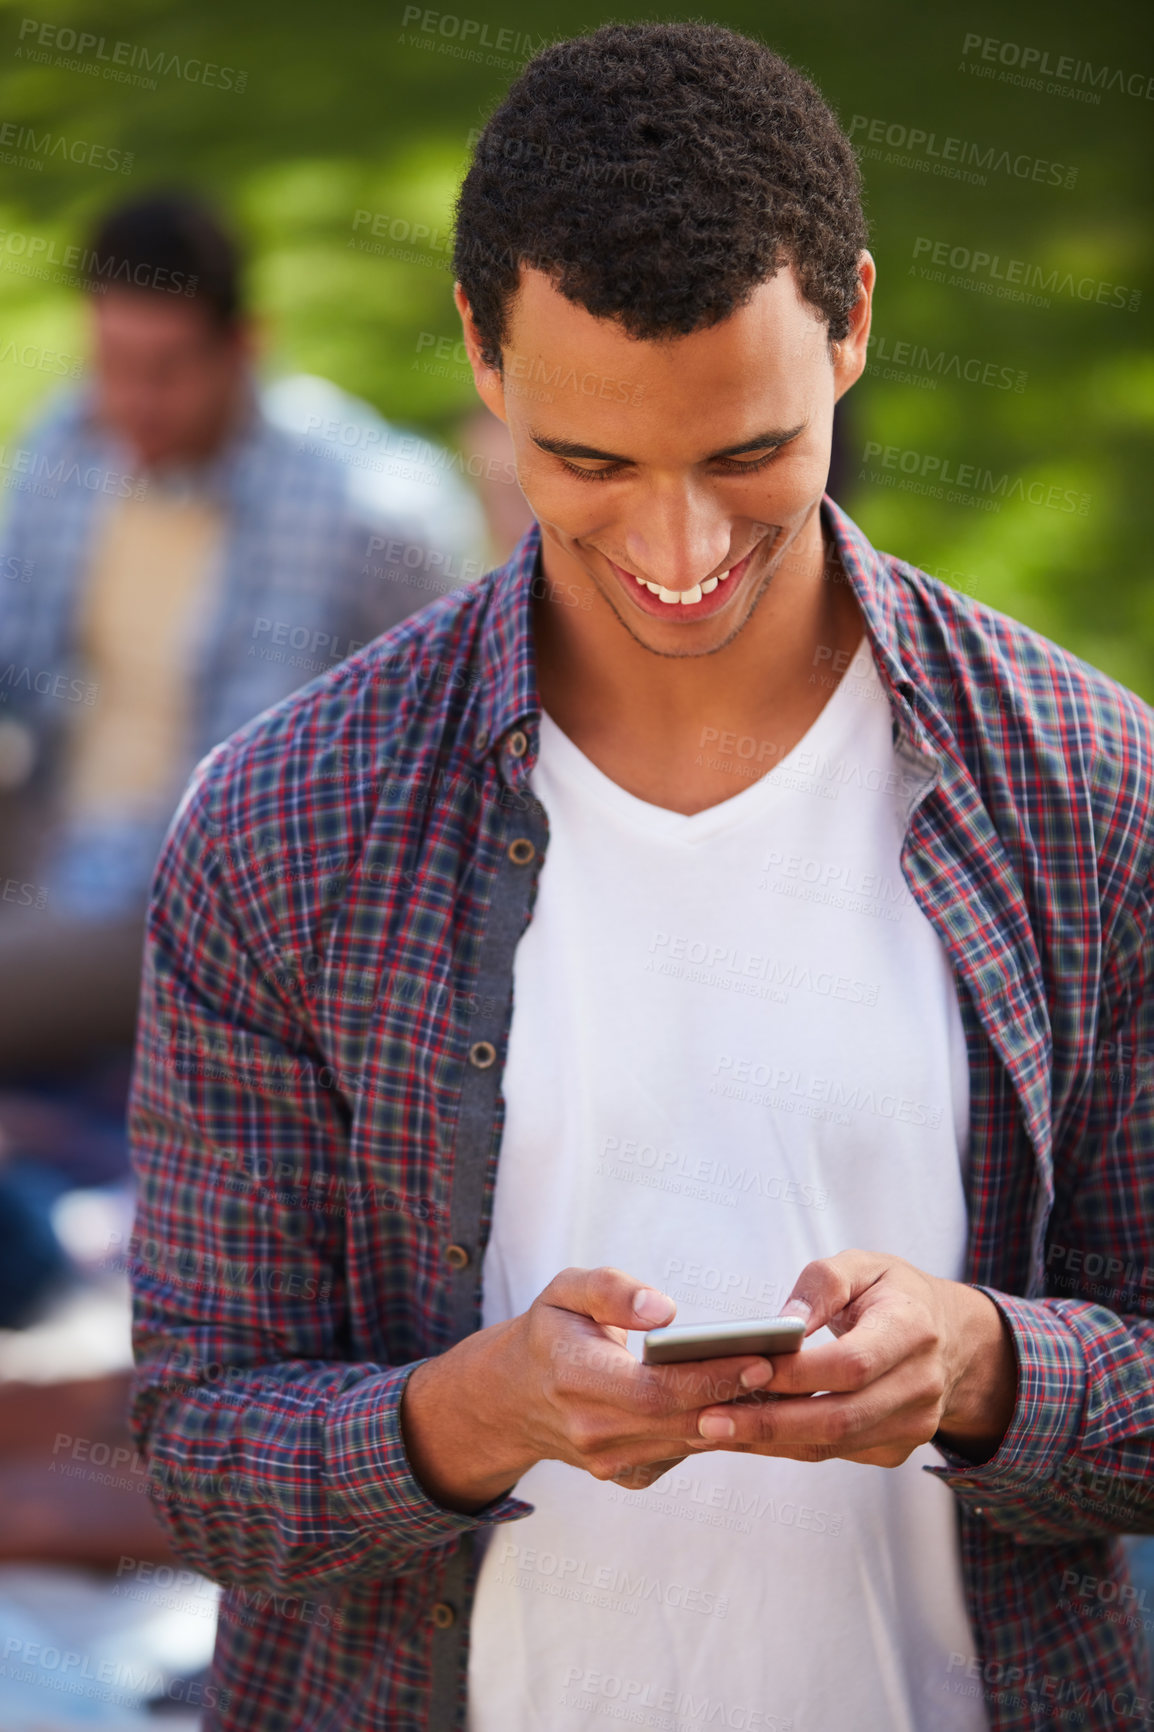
pixel 521 851
pixel 443 1615
pixel 482 739
pixel 456 1256
pixel 482 1054
pixel 518 744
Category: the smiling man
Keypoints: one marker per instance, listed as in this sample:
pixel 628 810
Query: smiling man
pixel 704 915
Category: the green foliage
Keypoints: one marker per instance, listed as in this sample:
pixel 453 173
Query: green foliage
pixel 349 108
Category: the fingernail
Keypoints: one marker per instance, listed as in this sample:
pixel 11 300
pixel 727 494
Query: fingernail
pixel 797 1308
pixel 756 1376
pixel 650 1306
pixel 715 1425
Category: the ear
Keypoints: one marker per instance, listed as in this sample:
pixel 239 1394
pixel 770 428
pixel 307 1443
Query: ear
pixel 850 351
pixel 488 380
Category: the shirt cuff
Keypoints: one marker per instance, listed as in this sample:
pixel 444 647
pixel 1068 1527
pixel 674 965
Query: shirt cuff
pixel 368 1469
pixel 1047 1415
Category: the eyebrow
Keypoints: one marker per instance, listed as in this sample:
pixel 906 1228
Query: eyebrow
pixel 573 448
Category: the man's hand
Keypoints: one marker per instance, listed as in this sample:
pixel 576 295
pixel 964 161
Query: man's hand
pixel 916 1358
pixel 558 1383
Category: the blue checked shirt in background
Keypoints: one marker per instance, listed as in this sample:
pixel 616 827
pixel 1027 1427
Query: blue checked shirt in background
pixel 318 558
pixel 317 1118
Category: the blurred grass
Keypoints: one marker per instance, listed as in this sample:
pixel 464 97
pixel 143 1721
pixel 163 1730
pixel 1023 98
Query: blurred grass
pixel 339 114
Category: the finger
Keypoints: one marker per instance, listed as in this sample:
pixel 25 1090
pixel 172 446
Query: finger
pixel 636 1402
pixel 696 1383
pixel 829 1284
pixel 879 1340
pixel 813 1428
pixel 610 1296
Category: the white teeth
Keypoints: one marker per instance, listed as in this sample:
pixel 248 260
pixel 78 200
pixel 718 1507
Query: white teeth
pixel 682 597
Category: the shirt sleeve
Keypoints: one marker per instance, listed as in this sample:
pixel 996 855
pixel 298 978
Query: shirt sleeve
pixel 274 1460
pixel 1078 1456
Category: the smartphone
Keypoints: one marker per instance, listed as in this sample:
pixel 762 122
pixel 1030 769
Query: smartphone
pixel 677 1343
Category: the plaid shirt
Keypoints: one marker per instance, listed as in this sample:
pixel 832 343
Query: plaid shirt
pixel 317 1117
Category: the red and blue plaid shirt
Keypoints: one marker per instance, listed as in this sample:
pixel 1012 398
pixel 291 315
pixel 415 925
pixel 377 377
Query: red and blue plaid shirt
pixel 317 1118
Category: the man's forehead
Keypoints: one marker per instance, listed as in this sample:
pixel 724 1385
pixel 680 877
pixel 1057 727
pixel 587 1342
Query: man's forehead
pixel 150 311
pixel 576 379
pixel 776 321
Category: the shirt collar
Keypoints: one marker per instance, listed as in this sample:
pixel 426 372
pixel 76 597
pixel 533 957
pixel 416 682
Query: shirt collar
pixel 508 684
pixel 508 672
pixel 875 586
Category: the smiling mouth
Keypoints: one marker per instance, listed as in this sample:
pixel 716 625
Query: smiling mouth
pixel 701 599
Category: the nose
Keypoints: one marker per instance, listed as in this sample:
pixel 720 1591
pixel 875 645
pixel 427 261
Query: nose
pixel 677 536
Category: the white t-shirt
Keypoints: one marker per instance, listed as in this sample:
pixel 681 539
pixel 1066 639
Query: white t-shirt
pixel 735 1047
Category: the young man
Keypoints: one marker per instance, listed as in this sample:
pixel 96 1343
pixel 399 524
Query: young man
pixel 492 1015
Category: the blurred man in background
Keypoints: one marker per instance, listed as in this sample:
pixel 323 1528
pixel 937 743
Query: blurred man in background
pixel 185 558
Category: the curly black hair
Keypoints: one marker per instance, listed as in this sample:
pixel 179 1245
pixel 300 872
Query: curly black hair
pixel 659 173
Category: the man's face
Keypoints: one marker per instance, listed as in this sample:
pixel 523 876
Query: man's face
pixel 692 464
pixel 167 377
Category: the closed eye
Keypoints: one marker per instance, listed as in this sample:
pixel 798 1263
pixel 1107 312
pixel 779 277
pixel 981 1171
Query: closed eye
pixel 726 465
